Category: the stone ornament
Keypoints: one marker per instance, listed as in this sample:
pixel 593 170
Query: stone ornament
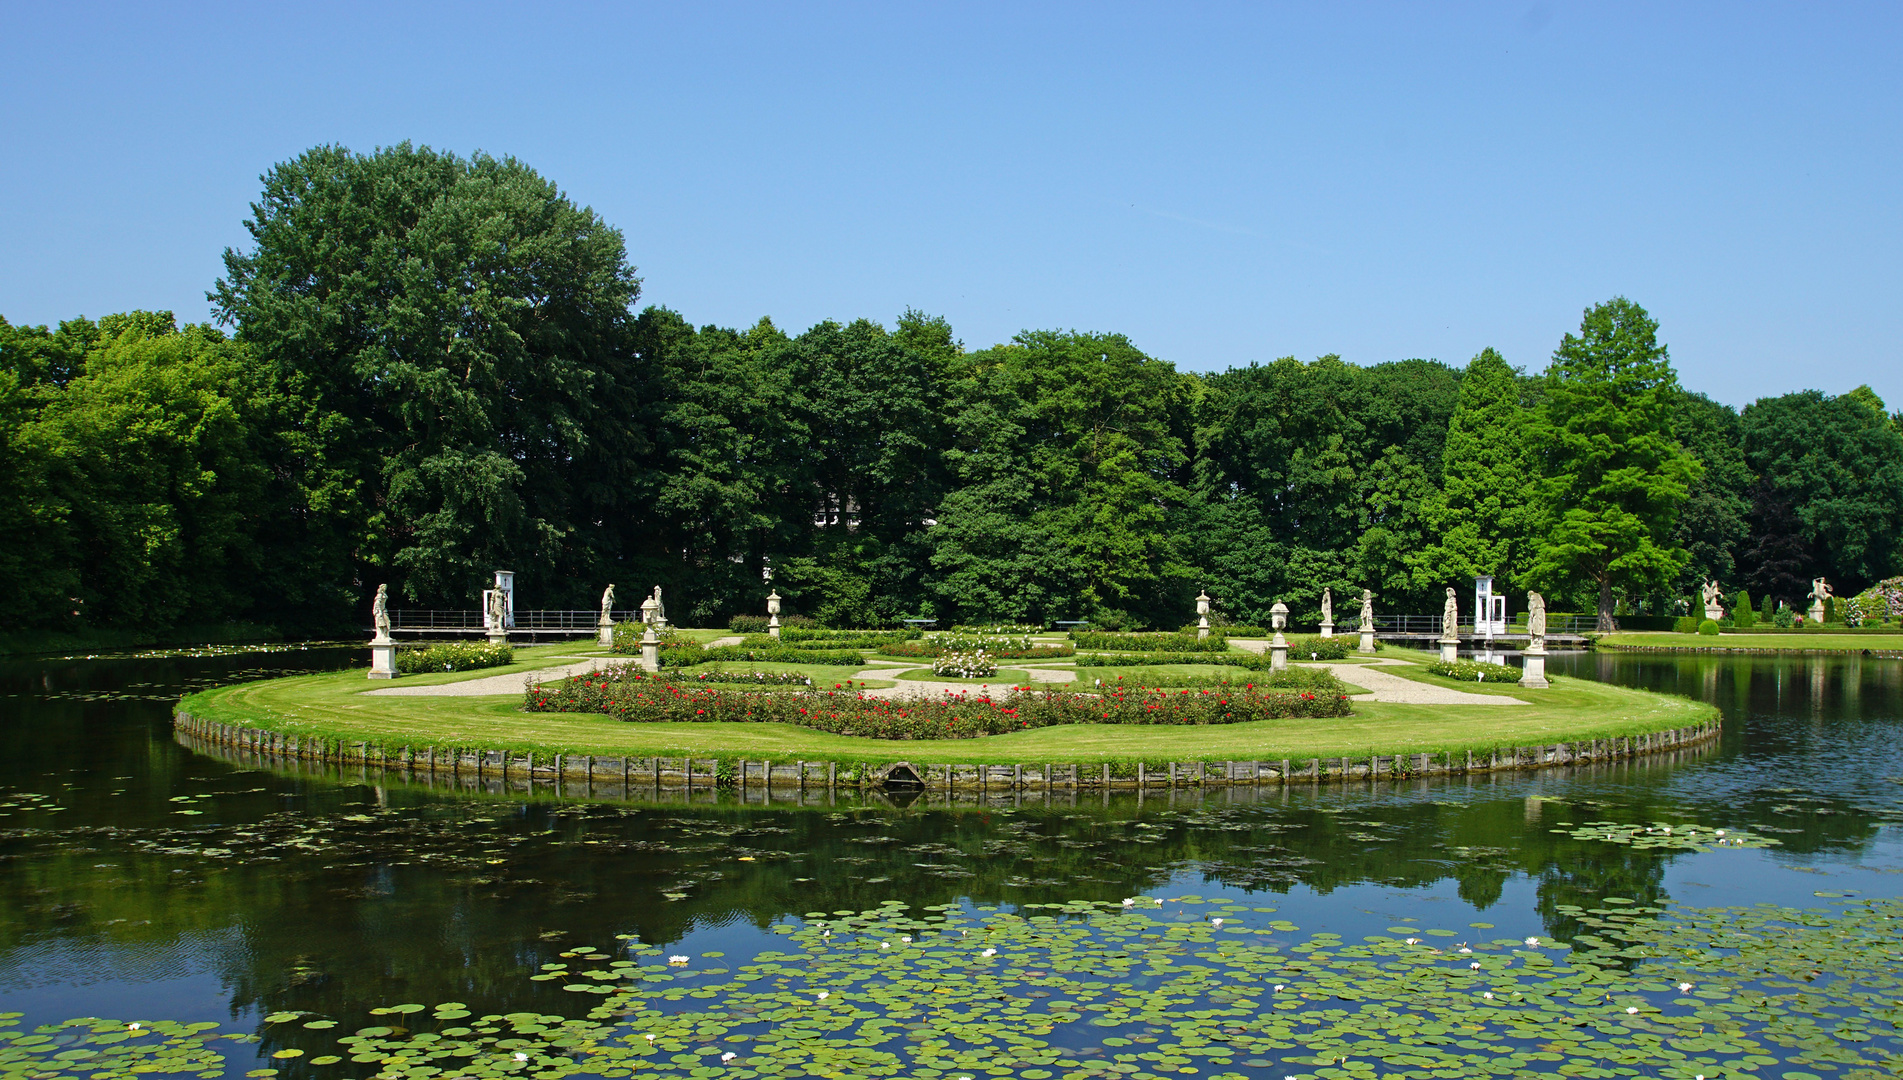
pixel 1819 592
pixel 380 611
pixel 1367 611
pixel 1450 616
pixel 1712 595
pixel 1536 619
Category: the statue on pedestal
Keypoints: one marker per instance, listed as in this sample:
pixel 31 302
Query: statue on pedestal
pixel 1536 619
pixel 660 609
pixel 498 612
pixel 1450 616
pixel 1712 595
pixel 1819 592
pixel 607 601
pixel 1328 607
pixel 1367 610
pixel 380 612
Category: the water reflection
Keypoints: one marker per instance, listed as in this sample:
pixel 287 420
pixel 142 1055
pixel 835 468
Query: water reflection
pixel 136 872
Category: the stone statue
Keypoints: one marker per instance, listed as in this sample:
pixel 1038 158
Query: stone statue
pixel 380 611
pixel 1450 616
pixel 1713 597
pixel 1367 609
pixel 1536 619
pixel 1819 592
pixel 1328 606
pixel 660 609
pixel 607 601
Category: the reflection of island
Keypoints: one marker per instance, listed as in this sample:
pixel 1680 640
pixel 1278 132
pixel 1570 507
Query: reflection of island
pixel 328 894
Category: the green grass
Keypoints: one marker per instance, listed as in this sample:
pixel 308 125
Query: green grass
pixel 333 705
pixel 1004 676
pixel 1805 641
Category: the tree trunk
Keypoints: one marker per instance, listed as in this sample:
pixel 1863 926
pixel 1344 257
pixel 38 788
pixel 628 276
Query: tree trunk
pixel 1605 624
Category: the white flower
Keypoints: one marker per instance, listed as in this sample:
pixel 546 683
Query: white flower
pixel 1532 941
pixel 1413 941
pixel 1129 902
pixel 132 1027
pixel 677 961
pixel 1682 987
pixel 1721 832
pixel 1475 965
pixel 1630 1009
pixel 1466 950
pixel 521 1057
pixel 906 940
pixel 1215 922
pixel 989 952
pixel 728 1056
pixel 1487 994
pixel 824 994
pixel 885 944
pixel 1278 988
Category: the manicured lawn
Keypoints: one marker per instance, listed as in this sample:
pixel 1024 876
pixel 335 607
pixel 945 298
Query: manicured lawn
pixel 1820 641
pixel 333 705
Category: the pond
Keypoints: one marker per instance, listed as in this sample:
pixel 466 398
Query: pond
pixel 142 881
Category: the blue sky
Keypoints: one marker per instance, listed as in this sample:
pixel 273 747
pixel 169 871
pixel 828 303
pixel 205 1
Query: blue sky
pixel 1222 183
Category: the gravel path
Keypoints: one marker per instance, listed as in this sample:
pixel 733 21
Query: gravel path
pixel 1393 688
pixel 491 686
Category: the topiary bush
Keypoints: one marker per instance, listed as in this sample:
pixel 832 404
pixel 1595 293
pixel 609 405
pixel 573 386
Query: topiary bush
pixel 454 656
pixel 1687 624
pixel 1742 615
pixel 1321 648
pixel 748 624
pixel 1710 628
pixel 1475 671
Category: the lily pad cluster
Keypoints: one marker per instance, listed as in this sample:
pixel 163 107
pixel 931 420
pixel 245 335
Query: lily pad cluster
pixel 1146 987
pixel 1665 834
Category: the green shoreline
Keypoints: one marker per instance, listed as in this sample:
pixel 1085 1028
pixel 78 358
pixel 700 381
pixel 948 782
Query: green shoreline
pixel 1817 643
pixel 327 717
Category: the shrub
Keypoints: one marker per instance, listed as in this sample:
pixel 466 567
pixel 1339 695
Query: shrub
pixel 966 665
pixel 1013 647
pixel 1765 612
pixel 1318 679
pixel 1230 659
pixel 1784 619
pixel 630 695
pixel 996 629
pixel 1710 628
pixel 1687 624
pixel 1742 616
pixel 454 656
pixel 1322 648
pixel 860 639
pixel 748 624
pixel 1475 671
pixel 692 655
pixel 1830 609
pixel 740 678
pixel 1182 643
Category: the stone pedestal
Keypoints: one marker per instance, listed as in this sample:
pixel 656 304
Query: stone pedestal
pixel 1817 612
pixel 1367 641
pixel 605 633
pixel 498 636
pixel 650 650
pixel 773 625
pixel 1535 675
pixel 382 657
pixel 1714 612
pixel 1328 629
pixel 1278 652
pixel 1202 629
pixel 1449 650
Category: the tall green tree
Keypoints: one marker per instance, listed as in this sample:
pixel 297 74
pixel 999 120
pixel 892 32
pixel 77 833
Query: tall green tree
pixel 1829 496
pixel 1067 461
pixel 1711 525
pixel 461 330
pixel 1488 514
pixel 1615 474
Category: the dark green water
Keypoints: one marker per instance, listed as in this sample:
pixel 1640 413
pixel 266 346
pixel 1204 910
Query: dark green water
pixel 140 879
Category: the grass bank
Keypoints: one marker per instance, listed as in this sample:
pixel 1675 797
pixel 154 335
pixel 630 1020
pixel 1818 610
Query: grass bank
pixel 335 706
pixel 1809 641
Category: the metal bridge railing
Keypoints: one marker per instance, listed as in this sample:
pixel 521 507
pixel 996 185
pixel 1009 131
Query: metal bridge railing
pixel 471 621
pixel 1430 625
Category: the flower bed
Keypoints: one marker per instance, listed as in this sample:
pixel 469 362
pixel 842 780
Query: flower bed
pixel 996 646
pixel 454 656
pixel 688 655
pixel 966 665
pixel 629 694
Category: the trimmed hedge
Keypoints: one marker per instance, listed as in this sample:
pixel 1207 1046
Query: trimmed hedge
pixel 1181 643
pixel 1232 659
pixel 688 654
pixel 454 656
pixel 1475 671
pixel 1322 648
pixel 1317 679
pixel 1709 628
pixel 927 650
pixel 845 639
pixel 628 694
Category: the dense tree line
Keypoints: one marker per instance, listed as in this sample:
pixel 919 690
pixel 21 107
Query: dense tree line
pixel 437 366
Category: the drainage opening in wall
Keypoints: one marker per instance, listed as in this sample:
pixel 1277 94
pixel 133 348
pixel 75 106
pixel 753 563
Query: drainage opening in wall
pixel 900 776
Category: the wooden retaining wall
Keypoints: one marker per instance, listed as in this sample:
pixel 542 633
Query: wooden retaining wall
pixel 691 773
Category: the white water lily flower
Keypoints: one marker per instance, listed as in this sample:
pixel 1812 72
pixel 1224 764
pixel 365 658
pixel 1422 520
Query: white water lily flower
pixel 677 961
pixel 1487 994
pixel 885 944
pixel 1630 1009
pixel 1721 832
pixel 1682 987
pixel 989 952
pixel 132 1027
pixel 1413 941
pixel 1475 965
pixel 1532 941
pixel 1215 922
pixel 1278 988
pixel 521 1057
pixel 1129 902
pixel 906 940
pixel 650 1038
pixel 728 1056
pixel 824 994
pixel 1466 950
